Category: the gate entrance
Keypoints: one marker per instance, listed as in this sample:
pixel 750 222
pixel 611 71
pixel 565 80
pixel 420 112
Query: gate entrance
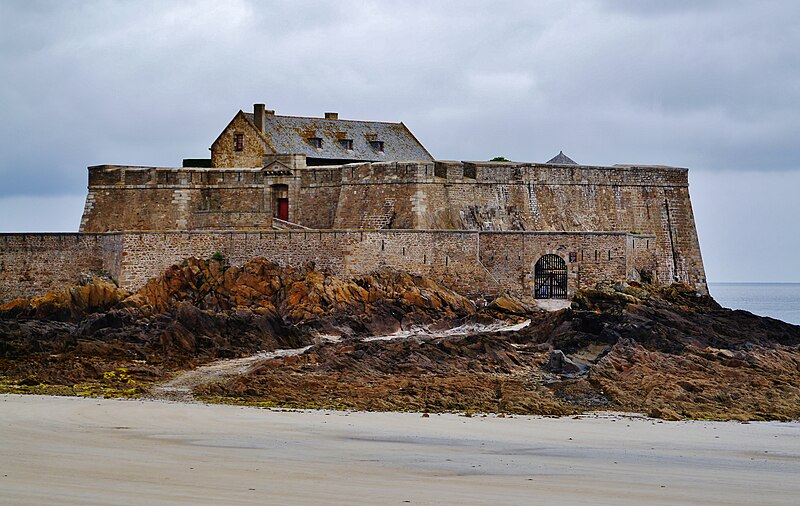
pixel 280 201
pixel 283 209
pixel 550 278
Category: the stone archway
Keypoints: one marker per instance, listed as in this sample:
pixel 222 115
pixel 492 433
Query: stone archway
pixel 550 278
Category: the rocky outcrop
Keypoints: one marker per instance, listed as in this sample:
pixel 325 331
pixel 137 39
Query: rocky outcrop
pixel 203 310
pixel 383 301
pixel 662 350
pixel 93 295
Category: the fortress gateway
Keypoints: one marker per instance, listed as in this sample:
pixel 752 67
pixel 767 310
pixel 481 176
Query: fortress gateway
pixel 355 196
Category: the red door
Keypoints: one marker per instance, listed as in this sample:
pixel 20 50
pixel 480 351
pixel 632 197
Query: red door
pixel 283 209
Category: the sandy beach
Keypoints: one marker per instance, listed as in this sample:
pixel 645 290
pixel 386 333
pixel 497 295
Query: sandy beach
pixel 60 450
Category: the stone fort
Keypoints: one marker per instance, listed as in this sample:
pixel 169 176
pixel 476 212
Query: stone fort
pixel 355 196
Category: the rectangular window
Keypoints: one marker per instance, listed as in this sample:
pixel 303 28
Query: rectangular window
pixel 347 144
pixel 315 142
pixel 238 142
pixel 376 145
pixel 573 256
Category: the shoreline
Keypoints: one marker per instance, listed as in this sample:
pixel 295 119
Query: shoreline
pixel 152 451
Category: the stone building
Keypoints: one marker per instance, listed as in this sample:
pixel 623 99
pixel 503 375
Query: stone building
pixel 255 140
pixel 353 196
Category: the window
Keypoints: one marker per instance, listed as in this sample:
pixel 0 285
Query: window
pixel 377 145
pixel 315 142
pixel 238 142
pixel 573 256
pixel 346 144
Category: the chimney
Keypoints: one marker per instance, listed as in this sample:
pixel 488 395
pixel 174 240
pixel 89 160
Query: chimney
pixel 258 116
pixel 331 115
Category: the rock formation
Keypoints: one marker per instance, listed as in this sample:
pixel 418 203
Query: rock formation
pixel 661 350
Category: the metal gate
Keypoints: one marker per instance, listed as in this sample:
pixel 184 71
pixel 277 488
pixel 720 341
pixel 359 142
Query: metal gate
pixel 550 278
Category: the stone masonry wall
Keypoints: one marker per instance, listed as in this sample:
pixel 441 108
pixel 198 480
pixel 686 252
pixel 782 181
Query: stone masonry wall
pixel 468 261
pixel 533 197
pixel 148 198
pixel 486 196
pixel 223 153
pixel 36 264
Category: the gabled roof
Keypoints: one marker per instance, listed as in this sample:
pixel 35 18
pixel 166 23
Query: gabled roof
pixel 291 134
pixel 562 159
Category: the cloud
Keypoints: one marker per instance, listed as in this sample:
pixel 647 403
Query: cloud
pixel 709 85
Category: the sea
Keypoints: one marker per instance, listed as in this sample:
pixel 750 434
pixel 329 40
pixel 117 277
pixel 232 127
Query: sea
pixel 777 300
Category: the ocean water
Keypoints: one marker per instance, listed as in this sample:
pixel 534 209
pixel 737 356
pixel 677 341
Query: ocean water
pixel 777 300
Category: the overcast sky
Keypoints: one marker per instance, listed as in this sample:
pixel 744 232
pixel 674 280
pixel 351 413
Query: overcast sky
pixel 709 85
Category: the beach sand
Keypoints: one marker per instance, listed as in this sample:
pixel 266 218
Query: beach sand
pixel 60 450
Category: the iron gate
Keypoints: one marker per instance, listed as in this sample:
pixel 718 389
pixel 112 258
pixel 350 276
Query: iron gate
pixel 550 278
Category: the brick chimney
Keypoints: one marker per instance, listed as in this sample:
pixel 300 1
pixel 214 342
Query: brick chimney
pixel 259 116
pixel 331 115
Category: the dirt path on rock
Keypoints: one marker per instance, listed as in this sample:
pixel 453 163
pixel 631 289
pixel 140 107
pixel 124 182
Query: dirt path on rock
pixel 180 387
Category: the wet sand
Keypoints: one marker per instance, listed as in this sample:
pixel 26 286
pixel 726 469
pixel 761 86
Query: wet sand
pixel 57 450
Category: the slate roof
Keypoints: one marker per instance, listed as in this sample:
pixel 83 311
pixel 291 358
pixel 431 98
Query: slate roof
pixel 291 134
pixel 562 159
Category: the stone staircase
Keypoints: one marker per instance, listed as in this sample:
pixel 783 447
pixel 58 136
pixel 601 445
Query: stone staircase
pixel 278 224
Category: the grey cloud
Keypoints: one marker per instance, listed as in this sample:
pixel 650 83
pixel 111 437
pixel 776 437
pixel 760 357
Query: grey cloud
pixel 650 8
pixel 709 85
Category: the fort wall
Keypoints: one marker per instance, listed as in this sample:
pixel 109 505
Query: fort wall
pixel 36 264
pixel 537 197
pixel 486 196
pixel 469 262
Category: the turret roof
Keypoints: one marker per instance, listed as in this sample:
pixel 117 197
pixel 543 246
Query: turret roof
pixel 563 159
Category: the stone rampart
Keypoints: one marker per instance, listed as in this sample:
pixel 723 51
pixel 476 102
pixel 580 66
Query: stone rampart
pixel 470 262
pixel 480 196
pixel 535 197
pixel 36 264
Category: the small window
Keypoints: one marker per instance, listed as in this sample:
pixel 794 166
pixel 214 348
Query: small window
pixel 347 144
pixel 377 145
pixel 315 142
pixel 238 142
pixel 573 256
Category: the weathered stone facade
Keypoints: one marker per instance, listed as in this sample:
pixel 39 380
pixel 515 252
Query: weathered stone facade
pixel 36 264
pixel 470 262
pixel 223 152
pixel 409 196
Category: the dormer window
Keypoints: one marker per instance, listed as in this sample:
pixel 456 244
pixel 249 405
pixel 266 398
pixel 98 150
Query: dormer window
pixel 377 145
pixel 238 142
pixel 346 144
pixel 315 142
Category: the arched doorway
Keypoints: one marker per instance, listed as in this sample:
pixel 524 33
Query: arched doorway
pixel 550 278
pixel 280 201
